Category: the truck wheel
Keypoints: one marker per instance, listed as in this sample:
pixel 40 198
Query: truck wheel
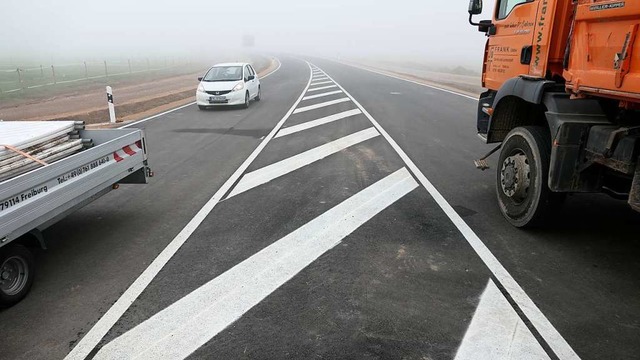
pixel 523 193
pixel 16 274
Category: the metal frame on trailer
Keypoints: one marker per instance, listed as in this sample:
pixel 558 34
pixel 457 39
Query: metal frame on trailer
pixel 39 198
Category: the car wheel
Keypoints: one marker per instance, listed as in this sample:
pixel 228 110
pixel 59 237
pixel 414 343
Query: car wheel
pixel 202 107
pixel 259 93
pixel 246 100
pixel 16 274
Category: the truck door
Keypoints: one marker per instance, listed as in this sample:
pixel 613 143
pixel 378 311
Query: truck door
pixel 510 46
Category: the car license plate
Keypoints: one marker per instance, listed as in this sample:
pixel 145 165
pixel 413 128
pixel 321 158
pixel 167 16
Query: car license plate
pixel 215 99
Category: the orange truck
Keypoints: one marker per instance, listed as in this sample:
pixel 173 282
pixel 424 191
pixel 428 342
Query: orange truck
pixel 562 101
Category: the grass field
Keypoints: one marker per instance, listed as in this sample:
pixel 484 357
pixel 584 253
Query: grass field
pixel 34 79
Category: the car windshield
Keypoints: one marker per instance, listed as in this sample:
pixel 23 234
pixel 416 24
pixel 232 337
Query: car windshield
pixel 224 73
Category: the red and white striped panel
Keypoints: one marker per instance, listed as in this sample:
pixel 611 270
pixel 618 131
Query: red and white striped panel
pixel 127 151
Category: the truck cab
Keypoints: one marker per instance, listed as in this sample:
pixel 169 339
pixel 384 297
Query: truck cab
pixel 562 100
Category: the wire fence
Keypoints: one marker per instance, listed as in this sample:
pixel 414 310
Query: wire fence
pixel 23 78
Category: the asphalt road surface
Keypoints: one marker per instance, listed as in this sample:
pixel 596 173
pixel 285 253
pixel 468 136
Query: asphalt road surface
pixel 340 217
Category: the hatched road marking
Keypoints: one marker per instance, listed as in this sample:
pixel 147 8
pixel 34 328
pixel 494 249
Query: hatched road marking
pixel 322 95
pixel 497 332
pixel 273 171
pixel 321 105
pixel 314 123
pixel 186 325
pixel 323 88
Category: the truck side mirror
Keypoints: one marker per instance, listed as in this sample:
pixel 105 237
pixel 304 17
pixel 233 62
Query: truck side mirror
pixel 475 7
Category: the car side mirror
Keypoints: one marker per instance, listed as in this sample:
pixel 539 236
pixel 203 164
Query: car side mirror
pixel 199 78
pixel 251 77
pixel 475 7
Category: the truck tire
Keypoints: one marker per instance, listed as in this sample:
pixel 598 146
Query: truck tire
pixel 16 274
pixel 523 169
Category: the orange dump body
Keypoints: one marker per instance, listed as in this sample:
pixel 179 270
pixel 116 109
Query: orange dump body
pixel 604 57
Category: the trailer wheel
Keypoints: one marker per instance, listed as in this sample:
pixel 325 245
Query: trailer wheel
pixel 523 193
pixel 16 274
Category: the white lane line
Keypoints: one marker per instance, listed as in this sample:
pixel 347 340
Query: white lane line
pixel 322 95
pixel 321 83
pixel 551 336
pixel 322 88
pixel 191 103
pixel 321 105
pixel 497 332
pixel 106 322
pixel 273 171
pixel 314 123
pixel 156 116
pixel 186 325
pixel 404 79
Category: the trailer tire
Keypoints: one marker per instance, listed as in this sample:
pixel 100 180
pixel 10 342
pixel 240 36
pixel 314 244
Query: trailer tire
pixel 522 177
pixel 16 274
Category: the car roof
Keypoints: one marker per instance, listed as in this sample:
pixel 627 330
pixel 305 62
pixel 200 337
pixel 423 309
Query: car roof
pixel 231 64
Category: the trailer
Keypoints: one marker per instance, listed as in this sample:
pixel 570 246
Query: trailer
pixel 37 199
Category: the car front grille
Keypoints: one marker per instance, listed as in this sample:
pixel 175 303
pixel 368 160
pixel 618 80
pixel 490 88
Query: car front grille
pixel 218 92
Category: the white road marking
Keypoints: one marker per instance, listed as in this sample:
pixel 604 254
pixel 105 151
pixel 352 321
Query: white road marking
pixel 497 332
pixel 186 325
pixel 403 79
pixel 321 83
pixel 322 95
pixel 322 88
pixel 273 171
pixel 319 79
pixel 314 123
pixel 191 103
pixel 321 105
pixel 551 336
pixel 106 322
pixel 157 116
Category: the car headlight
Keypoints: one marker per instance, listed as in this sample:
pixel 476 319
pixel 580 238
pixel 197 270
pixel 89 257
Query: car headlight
pixel 238 87
pixel 201 88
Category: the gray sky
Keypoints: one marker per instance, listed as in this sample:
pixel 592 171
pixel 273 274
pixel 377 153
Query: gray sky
pixel 66 29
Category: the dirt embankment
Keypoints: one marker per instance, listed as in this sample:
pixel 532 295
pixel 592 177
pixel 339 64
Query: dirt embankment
pixel 133 101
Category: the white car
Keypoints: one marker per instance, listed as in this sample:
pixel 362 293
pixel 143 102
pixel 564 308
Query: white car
pixel 228 84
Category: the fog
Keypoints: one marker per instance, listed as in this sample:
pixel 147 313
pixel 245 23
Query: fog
pixel 436 31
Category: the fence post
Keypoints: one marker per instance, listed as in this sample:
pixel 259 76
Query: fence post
pixel 106 72
pixel 20 78
pixel 53 72
pixel 86 71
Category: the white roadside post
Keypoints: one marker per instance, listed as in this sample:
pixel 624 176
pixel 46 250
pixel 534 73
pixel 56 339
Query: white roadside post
pixel 112 108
